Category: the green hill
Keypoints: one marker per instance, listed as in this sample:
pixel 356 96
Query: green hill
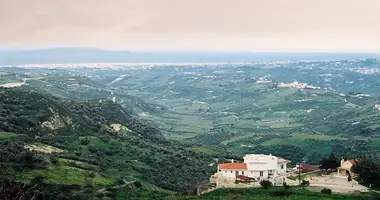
pixel 94 145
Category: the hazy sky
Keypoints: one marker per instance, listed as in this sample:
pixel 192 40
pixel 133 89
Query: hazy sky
pixel 221 25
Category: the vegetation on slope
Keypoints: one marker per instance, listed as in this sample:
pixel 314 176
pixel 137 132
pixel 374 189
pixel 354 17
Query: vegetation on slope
pixel 92 144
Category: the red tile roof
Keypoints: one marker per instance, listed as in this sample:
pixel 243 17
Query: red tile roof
pixel 307 167
pixel 233 166
pixel 354 161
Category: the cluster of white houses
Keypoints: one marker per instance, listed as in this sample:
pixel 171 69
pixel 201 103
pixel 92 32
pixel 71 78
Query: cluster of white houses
pixel 256 167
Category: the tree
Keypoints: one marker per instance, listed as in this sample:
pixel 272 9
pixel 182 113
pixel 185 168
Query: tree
pixel 368 171
pixel 330 162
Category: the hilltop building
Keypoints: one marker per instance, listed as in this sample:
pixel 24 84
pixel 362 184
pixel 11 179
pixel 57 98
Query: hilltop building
pixel 346 165
pixel 256 167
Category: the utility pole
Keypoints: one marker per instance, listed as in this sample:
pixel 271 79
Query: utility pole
pixel 299 174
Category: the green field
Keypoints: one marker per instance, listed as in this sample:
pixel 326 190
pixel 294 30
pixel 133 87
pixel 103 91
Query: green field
pixel 7 135
pixel 65 175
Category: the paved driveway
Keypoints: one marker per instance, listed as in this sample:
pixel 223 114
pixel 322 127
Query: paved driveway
pixel 336 184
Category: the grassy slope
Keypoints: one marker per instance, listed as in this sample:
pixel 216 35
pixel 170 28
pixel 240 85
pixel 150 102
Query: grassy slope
pixel 264 194
pixel 91 147
pixel 7 135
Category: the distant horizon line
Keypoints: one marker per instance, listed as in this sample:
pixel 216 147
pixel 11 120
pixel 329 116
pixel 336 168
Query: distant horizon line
pixel 132 64
pixel 183 51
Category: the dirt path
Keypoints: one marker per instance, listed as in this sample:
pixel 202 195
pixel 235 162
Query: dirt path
pixel 116 187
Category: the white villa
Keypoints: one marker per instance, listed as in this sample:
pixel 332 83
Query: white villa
pixel 255 167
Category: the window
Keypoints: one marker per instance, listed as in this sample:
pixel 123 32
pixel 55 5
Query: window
pixel 231 171
pixel 261 173
pixel 282 166
pixel 242 172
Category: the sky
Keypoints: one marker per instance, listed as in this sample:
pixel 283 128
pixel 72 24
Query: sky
pixel 193 25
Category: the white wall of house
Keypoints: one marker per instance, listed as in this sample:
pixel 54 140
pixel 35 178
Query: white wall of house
pixel 258 162
pixel 231 174
pixel 281 168
pixel 228 173
pixel 345 164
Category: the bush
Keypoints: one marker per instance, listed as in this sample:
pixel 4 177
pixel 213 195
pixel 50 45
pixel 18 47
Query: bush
pixel 105 139
pixel 265 184
pixel 54 160
pixel 286 186
pixel 91 174
pixel 85 141
pixel 92 148
pixel 326 191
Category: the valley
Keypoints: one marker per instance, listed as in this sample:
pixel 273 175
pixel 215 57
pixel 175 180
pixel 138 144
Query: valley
pixel 103 127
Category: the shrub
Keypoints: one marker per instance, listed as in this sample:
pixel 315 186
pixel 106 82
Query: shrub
pixel 91 174
pixel 54 160
pixel 92 148
pixel 105 139
pixel 78 153
pixel 286 186
pixel 265 184
pixel 326 191
pixel 85 141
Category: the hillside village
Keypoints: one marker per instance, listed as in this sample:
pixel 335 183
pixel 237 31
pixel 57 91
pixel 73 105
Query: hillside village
pixel 278 171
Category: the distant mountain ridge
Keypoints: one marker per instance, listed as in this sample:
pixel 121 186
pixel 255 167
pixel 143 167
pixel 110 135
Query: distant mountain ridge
pixel 94 55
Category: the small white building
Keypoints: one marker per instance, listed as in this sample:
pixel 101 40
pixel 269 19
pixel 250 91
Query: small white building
pixel 255 166
pixel 346 166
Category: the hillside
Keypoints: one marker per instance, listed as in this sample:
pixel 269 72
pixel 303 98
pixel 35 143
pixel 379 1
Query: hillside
pixel 94 144
pixel 35 114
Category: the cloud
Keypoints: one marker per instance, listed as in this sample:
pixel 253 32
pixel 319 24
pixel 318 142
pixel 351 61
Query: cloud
pixel 267 25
